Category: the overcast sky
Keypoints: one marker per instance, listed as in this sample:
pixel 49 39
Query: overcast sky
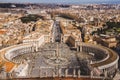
pixel 63 1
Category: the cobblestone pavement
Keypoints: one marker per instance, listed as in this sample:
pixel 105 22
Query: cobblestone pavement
pixel 43 63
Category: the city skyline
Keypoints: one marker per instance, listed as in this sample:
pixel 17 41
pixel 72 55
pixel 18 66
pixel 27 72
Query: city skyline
pixel 61 1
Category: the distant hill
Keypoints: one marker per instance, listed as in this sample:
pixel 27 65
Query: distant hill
pixel 12 5
pixel 40 5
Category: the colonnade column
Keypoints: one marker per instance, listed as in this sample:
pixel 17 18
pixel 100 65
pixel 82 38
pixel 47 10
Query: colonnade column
pixel 91 74
pixel 36 47
pixel 74 73
pixel 53 74
pixel 105 73
pixel 40 72
pixel 45 73
pixel 59 73
pixel 79 73
pixel 66 72
pixel 80 48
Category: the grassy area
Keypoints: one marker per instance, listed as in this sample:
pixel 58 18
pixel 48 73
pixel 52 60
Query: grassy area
pixel 114 30
pixel 30 17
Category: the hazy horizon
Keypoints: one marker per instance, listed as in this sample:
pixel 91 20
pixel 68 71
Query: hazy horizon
pixel 63 1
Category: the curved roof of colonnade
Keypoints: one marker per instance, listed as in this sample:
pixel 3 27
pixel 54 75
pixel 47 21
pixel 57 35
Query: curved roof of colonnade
pixel 111 60
pixel 5 62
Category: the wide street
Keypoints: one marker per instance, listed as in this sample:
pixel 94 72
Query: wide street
pixel 56 32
